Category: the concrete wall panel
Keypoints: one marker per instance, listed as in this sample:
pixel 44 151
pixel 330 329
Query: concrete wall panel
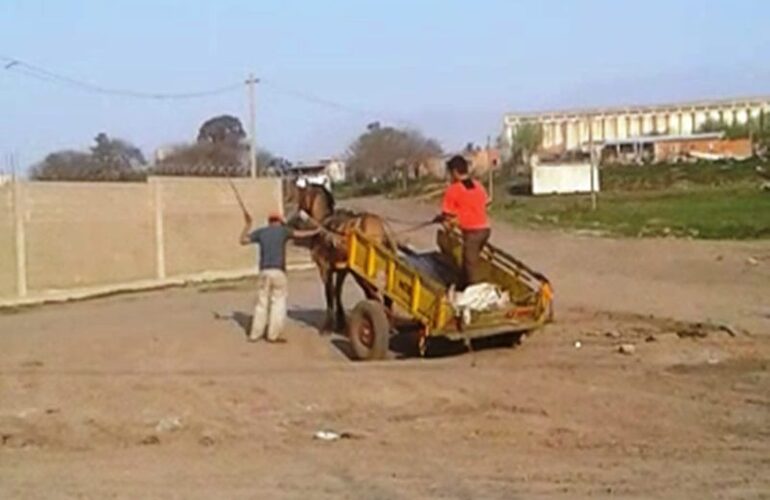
pixel 84 234
pixel 202 221
pixel 7 242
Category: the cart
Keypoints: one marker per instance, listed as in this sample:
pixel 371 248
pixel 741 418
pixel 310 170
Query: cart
pixel 420 284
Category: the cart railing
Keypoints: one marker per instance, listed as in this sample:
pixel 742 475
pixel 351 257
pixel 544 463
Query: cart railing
pixel 420 295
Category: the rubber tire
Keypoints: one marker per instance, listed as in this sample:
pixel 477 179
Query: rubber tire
pixel 374 312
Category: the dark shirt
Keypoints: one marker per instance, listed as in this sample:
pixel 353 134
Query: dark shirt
pixel 272 246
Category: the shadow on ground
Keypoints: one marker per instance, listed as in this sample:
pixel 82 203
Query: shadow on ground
pixel 241 319
pixel 309 317
pixel 404 344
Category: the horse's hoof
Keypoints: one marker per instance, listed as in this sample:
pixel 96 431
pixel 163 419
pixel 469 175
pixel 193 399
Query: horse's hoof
pixel 327 328
pixel 341 326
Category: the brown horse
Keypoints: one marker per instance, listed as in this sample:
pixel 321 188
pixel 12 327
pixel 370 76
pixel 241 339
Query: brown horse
pixel 329 249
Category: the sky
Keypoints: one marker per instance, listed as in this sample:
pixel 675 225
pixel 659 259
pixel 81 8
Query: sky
pixel 329 67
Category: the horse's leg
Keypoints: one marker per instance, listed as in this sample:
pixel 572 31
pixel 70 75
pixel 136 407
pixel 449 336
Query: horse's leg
pixel 369 291
pixel 327 277
pixel 341 320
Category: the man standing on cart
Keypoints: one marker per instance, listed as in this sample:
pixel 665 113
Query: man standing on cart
pixel 465 204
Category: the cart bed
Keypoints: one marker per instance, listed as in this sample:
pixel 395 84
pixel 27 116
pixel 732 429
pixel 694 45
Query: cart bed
pixel 418 283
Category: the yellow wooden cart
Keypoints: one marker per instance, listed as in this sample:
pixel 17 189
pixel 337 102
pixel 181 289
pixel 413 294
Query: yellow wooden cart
pixel 420 283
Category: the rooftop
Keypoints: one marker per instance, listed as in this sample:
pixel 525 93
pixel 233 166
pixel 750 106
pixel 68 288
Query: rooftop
pixel 641 108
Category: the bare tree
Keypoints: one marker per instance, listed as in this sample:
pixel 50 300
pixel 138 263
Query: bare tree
pixel 380 150
pixel 219 150
pixel 207 159
pixel 108 160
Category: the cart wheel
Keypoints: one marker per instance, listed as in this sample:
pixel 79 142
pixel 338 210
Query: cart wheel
pixel 369 330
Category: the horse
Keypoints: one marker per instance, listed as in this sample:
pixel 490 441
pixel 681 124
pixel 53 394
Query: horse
pixel 329 251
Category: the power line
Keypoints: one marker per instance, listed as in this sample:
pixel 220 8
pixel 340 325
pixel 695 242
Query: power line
pixel 32 71
pixel 21 67
pixel 314 99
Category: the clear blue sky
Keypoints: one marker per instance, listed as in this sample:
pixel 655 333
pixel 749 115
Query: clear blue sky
pixel 451 68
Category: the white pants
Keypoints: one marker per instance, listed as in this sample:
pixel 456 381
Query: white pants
pixel 270 309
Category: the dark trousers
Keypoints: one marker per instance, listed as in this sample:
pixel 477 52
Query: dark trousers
pixel 473 242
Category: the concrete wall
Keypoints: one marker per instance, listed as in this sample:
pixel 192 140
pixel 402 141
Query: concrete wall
pixel 7 242
pixel 85 234
pixel 78 235
pixel 202 221
pixel 553 179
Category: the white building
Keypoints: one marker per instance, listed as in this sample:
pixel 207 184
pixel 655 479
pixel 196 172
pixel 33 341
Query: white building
pixel 334 169
pixel 572 130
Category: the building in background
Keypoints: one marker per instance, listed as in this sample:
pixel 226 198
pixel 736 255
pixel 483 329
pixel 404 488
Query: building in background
pixel 674 148
pixel 569 131
pixel 333 168
pixel 483 160
pixel 326 172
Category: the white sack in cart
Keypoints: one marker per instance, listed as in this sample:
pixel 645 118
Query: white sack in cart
pixel 478 298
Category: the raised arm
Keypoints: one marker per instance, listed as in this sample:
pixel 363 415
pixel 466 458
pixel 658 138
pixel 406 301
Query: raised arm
pixel 245 233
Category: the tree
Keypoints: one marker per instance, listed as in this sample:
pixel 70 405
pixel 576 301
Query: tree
pixel 108 160
pixel 116 154
pixel 219 150
pixel 526 141
pixel 756 128
pixel 377 152
pixel 66 165
pixel 224 129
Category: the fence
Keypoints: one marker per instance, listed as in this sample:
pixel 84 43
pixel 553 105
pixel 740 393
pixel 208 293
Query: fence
pixel 61 236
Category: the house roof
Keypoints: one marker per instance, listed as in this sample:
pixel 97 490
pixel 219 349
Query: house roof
pixel 634 108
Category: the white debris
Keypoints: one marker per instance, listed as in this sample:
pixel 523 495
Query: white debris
pixel 627 349
pixel 578 344
pixel 324 435
pixel 168 424
pixel 329 435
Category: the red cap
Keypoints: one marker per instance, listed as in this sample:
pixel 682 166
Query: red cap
pixel 275 216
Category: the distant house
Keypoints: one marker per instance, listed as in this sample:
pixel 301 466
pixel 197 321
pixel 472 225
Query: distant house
pixel 334 169
pixel 481 160
pixel 671 148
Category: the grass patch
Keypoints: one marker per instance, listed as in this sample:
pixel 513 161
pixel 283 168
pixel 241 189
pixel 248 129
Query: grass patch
pixel 705 213
pixel 681 176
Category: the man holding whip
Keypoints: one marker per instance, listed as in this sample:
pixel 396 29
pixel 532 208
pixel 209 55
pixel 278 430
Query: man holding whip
pixel 272 284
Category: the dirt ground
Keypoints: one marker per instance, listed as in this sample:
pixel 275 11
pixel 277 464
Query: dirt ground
pixel 157 395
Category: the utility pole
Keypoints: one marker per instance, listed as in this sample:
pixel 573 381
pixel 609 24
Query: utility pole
pixel 491 171
pixel 252 125
pixel 593 161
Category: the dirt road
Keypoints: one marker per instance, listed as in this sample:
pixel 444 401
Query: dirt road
pixel 157 395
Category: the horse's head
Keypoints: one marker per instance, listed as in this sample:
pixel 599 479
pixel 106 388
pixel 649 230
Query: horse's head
pixel 315 201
